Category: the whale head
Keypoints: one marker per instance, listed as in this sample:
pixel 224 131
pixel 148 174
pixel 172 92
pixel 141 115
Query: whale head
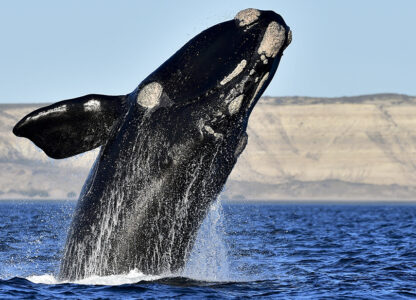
pixel 226 67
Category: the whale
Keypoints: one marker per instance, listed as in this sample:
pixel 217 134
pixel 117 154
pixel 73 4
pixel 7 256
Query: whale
pixel 166 149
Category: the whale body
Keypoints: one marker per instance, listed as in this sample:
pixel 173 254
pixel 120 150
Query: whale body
pixel 167 148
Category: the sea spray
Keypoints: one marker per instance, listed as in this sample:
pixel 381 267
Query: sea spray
pixel 132 277
pixel 208 260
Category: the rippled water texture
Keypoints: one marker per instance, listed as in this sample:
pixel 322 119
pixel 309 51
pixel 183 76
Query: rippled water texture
pixel 243 250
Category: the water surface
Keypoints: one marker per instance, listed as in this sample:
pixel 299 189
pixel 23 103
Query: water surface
pixel 243 250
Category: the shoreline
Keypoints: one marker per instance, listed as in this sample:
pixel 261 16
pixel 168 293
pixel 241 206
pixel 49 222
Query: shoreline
pixel 251 202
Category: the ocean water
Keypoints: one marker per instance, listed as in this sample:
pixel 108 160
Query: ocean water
pixel 243 250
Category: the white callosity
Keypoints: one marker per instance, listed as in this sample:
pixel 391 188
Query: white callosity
pixel 247 16
pixel 235 96
pixel 238 69
pixel 264 59
pixel 92 105
pixel 273 40
pixel 235 105
pixel 211 131
pixel 149 95
pixel 261 83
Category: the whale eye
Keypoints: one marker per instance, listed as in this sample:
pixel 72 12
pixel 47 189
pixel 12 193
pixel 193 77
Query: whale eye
pixel 247 16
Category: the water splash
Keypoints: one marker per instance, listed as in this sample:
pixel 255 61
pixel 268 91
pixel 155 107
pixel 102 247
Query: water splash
pixel 208 260
pixel 133 276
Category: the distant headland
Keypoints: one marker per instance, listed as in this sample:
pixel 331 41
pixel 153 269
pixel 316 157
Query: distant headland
pixel 299 148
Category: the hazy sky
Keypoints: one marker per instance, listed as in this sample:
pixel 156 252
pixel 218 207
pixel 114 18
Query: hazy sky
pixel 55 50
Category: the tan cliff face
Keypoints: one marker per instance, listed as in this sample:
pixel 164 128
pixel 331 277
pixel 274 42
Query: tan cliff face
pixel 369 142
pixel 299 148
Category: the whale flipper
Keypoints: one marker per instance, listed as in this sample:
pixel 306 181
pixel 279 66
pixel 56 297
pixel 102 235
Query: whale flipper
pixel 72 126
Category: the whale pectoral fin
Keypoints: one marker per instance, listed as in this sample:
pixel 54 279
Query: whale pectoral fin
pixel 73 126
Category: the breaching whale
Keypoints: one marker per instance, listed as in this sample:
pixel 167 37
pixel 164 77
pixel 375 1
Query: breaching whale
pixel 167 148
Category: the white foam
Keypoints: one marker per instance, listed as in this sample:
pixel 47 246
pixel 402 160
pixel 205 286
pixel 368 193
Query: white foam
pixel 45 279
pixel 133 276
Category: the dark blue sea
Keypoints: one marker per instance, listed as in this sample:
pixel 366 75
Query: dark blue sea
pixel 243 250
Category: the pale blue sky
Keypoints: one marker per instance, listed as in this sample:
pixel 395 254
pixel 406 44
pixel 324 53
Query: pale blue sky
pixel 55 50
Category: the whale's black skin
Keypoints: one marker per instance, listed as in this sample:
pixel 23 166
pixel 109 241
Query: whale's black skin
pixel 167 147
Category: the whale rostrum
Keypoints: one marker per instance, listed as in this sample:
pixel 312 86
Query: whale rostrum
pixel 167 148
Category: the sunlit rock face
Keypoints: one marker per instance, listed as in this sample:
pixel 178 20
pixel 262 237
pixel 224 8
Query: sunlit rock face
pixel 297 148
pixel 358 148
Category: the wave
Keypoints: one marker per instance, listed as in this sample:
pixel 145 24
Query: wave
pixel 133 276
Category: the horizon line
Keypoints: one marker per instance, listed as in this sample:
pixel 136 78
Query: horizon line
pixel 386 94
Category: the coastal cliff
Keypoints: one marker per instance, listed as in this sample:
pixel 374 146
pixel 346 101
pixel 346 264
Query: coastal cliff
pixel 299 148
